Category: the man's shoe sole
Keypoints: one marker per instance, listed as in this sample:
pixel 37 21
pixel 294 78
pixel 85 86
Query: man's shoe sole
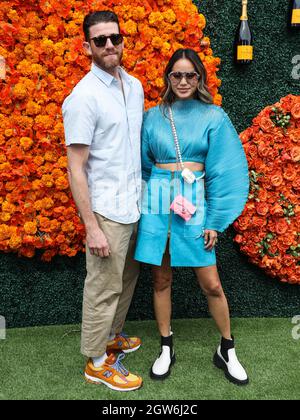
pixel 131 350
pixel 108 350
pixel 165 375
pixel 97 381
pixel 220 364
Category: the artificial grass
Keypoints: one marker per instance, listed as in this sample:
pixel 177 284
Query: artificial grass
pixel 44 363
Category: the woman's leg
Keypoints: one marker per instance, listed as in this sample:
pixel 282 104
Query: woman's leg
pixel 162 279
pixel 225 357
pixel 210 283
pixel 162 282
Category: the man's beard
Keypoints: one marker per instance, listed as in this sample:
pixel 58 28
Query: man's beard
pixel 109 66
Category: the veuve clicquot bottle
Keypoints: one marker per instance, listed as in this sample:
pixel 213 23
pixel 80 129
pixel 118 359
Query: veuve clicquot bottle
pixel 244 38
pixel 294 18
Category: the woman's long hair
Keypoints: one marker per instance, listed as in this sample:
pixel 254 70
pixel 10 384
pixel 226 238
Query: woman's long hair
pixel 202 93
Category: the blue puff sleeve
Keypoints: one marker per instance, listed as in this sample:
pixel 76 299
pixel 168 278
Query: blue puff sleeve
pixel 227 176
pixel 147 157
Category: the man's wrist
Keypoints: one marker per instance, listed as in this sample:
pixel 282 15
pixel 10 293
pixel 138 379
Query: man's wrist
pixel 91 226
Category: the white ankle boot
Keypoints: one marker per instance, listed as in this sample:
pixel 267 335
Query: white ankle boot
pixel 161 368
pixel 229 363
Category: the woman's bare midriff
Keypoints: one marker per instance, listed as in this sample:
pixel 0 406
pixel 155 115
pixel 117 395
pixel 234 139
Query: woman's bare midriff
pixel 193 166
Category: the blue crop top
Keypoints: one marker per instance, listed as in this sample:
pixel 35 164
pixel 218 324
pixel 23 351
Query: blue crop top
pixel 206 135
pixel 192 121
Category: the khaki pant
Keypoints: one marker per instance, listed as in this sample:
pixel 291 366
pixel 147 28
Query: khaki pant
pixel 109 287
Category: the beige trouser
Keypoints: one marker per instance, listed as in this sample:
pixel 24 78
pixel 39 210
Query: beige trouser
pixel 109 287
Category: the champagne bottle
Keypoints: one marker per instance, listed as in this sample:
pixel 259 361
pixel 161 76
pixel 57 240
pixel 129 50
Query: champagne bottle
pixel 244 39
pixel 295 14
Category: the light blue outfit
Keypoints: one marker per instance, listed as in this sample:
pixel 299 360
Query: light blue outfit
pixel 206 135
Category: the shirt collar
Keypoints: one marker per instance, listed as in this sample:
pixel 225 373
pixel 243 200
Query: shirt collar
pixel 107 78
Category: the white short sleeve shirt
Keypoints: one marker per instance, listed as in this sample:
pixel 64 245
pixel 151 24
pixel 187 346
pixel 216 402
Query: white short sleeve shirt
pixel 99 115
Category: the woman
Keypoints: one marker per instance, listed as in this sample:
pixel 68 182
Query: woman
pixel 209 147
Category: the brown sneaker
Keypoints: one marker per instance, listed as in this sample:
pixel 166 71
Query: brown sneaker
pixel 112 374
pixel 123 343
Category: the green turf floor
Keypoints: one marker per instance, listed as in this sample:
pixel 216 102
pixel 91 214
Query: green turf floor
pixel 44 363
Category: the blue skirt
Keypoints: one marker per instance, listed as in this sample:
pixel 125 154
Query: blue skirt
pixel 158 223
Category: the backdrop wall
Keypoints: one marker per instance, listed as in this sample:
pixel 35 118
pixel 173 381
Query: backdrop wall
pixel 36 293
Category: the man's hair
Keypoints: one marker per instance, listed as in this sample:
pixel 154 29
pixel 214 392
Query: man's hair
pixel 92 19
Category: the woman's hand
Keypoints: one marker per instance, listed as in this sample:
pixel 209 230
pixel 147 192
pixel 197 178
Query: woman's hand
pixel 210 239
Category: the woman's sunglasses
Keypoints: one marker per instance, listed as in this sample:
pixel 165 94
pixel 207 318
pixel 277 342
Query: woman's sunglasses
pixel 190 77
pixel 101 41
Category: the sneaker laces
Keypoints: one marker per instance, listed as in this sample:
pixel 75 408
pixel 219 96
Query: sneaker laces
pixel 119 367
pixel 126 337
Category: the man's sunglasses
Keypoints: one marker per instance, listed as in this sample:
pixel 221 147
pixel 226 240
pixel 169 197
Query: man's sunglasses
pixel 101 41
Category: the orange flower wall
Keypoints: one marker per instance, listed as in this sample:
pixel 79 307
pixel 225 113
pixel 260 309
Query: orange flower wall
pixel 269 228
pixel 41 42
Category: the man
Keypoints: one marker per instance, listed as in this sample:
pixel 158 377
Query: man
pixel 102 121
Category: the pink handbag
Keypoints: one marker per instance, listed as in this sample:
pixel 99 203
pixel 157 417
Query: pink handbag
pixel 183 208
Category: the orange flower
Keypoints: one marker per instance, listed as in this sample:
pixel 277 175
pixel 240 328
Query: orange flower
pixel 20 91
pixel 276 210
pixel 61 239
pixel 169 16
pixel 62 183
pixel 27 251
pixel 262 209
pixel 295 153
pixel 32 108
pixel 48 255
pixel 61 72
pixel 276 179
pixel 67 227
pixel 5 217
pixel 243 223
pixel 130 27
pixel 30 228
pixel 156 19
pixel 47 181
pixel 266 124
pixel 26 142
pixel 295 111
pixel 15 242
pixel 4 232
pixel 289 172
pixel 8 207
pixel 262 195
pixel 62 162
pixel 258 222
pixel 282 227
pixel 294 134
pixel 157 42
pixel 138 13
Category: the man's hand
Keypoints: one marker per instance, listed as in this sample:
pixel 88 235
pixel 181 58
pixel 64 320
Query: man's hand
pixel 210 239
pixel 97 243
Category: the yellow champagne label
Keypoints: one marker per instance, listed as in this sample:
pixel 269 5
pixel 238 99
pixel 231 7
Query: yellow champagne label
pixel 245 52
pixel 296 16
